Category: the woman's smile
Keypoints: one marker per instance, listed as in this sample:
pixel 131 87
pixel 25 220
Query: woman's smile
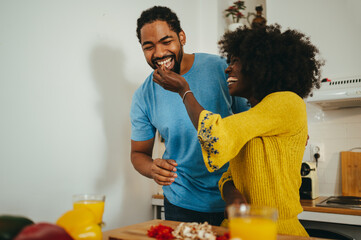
pixel 231 80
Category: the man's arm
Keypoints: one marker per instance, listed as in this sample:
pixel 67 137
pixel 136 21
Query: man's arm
pixel 161 170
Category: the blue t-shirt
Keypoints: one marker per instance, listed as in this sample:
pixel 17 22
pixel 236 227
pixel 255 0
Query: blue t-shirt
pixel 154 108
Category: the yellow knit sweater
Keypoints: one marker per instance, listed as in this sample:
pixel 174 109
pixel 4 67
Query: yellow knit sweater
pixel 264 146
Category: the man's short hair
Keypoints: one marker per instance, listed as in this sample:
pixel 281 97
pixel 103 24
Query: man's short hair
pixel 158 13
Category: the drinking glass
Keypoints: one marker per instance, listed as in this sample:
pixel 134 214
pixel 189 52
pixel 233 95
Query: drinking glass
pixel 248 222
pixel 93 202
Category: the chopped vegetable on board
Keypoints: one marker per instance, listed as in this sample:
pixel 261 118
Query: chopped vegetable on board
pixel 161 232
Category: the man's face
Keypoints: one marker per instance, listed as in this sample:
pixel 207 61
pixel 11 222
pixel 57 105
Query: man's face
pixel 162 46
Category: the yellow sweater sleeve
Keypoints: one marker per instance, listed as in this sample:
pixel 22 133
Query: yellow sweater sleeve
pixel 279 113
pixel 227 176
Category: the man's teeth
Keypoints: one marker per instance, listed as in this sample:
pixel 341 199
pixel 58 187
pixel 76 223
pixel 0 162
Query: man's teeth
pixel 164 62
pixel 231 80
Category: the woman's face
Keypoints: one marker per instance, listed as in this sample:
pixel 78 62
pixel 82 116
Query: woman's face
pixel 237 84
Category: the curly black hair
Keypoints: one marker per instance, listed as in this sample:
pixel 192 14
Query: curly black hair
pixel 158 13
pixel 274 61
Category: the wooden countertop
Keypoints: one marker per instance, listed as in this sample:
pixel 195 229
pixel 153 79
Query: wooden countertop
pixel 310 206
pixel 139 231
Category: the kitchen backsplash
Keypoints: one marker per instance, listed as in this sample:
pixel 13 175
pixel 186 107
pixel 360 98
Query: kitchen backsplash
pixel 337 130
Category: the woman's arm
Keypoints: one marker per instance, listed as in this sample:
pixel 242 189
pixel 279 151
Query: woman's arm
pixel 231 194
pixel 172 81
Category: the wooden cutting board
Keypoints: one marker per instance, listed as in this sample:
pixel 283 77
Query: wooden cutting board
pixel 139 232
pixel 351 173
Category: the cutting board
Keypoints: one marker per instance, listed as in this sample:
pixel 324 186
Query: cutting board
pixel 139 231
pixel 351 173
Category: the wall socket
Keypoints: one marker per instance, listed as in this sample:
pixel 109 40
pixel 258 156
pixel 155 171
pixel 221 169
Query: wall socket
pixel 317 148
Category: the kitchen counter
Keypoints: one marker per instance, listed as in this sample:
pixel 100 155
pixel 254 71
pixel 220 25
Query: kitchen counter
pixel 139 231
pixel 307 205
pixel 329 214
pixel 310 212
pixel 310 206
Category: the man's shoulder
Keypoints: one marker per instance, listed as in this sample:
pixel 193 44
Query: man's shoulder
pixel 145 86
pixel 142 94
pixel 210 62
pixel 210 57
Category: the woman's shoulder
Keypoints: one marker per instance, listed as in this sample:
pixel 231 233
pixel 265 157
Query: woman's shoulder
pixel 284 97
pixel 287 102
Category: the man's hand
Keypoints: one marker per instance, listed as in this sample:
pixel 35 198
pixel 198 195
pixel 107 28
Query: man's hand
pixel 163 171
pixel 170 80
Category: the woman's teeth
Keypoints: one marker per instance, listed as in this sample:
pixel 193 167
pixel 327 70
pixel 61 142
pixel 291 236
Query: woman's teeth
pixel 231 80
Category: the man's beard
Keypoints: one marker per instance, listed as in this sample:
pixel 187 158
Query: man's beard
pixel 177 62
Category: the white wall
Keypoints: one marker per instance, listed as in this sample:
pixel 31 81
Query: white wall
pixel 68 70
pixel 335 28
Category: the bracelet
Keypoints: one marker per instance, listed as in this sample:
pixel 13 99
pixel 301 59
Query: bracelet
pixel 184 95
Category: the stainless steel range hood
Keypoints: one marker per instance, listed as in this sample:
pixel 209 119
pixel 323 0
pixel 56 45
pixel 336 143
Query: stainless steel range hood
pixel 337 93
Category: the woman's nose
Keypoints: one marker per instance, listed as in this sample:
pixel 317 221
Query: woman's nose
pixel 228 69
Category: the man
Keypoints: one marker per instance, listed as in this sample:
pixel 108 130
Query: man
pixel 191 192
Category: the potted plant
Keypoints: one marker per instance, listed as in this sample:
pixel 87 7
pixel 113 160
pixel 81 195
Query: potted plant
pixel 235 11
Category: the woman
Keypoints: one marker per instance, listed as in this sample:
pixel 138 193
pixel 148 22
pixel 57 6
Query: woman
pixel 274 70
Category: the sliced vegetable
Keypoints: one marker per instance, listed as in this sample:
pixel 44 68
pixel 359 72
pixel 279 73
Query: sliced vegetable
pixel 161 232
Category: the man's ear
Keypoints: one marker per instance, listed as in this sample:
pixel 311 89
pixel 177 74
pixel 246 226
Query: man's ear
pixel 182 37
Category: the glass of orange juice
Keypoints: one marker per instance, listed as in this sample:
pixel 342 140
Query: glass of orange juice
pixel 248 222
pixel 93 202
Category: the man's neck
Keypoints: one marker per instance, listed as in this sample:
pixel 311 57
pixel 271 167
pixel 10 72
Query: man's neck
pixel 187 63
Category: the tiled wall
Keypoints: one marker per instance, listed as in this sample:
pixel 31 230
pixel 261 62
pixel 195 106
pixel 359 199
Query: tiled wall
pixel 338 130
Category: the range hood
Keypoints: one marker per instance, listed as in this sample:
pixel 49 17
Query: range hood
pixel 337 93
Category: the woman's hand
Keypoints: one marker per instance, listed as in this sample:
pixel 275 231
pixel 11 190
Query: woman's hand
pixel 170 81
pixel 232 195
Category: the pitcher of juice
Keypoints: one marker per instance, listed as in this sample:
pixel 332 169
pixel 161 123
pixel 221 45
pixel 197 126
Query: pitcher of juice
pixel 93 202
pixel 248 222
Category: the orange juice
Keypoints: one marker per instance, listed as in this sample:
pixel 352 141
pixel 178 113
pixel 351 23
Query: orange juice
pixel 96 206
pixel 252 228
